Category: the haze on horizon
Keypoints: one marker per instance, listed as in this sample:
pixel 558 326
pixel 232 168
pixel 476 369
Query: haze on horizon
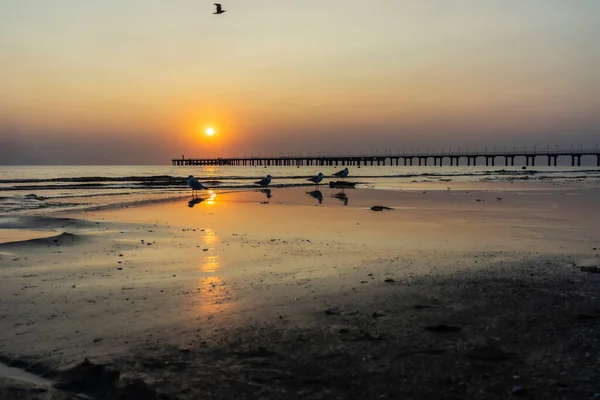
pixel 139 81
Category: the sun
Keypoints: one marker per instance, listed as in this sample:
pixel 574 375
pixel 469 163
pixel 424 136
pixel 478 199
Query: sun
pixel 210 131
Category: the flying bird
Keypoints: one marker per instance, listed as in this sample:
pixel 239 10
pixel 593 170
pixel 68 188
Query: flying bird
pixel 195 185
pixel 264 181
pixel 219 9
pixel 316 179
pixel 342 174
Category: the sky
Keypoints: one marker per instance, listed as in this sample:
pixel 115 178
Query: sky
pixel 139 81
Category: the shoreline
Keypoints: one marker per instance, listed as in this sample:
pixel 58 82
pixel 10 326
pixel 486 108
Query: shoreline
pixel 146 288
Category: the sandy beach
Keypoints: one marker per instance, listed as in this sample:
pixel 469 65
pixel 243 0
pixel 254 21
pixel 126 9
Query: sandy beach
pixel 459 291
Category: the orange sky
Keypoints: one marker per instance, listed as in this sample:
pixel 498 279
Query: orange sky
pixel 139 81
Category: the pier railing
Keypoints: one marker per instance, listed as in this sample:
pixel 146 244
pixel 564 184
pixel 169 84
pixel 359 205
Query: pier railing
pixel 408 157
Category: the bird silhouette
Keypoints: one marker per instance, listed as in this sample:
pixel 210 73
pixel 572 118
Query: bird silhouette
pixel 316 179
pixel 219 9
pixel 195 185
pixel 342 174
pixel 264 181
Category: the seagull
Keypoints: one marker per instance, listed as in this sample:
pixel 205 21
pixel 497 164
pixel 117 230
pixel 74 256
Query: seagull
pixel 342 174
pixel 264 181
pixel 195 185
pixel 316 179
pixel 219 9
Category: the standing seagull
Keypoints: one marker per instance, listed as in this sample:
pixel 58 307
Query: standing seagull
pixel 264 181
pixel 342 174
pixel 219 9
pixel 195 185
pixel 316 179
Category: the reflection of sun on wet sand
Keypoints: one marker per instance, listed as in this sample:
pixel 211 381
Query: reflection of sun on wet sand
pixel 259 292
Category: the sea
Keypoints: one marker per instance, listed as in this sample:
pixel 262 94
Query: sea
pixel 28 190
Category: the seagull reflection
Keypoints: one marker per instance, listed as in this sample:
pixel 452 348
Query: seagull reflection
pixel 267 192
pixel 317 195
pixel 194 201
pixel 341 196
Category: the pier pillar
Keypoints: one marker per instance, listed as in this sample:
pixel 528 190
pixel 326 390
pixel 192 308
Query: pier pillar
pixel 572 161
pixel 549 159
pixel 579 161
pixel 598 160
pixel 441 161
pixel 533 161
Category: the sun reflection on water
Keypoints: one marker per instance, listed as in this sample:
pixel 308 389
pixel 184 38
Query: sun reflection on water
pixel 212 293
pixel 211 197
pixel 211 265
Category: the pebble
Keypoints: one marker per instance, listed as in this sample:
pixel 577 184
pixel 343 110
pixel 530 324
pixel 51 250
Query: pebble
pixel 518 390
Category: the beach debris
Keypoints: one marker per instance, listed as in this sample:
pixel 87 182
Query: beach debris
pixel 478 200
pixel 378 314
pixel 421 307
pixel 518 390
pixel 586 316
pixel 591 270
pixel 344 331
pixel 441 328
pixel 389 280
pixel 89 380
pixel 332 311
pixel 381 208
pixel 498 198
pixel 341 185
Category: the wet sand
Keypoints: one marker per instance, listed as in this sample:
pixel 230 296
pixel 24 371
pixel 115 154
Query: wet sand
pixel 462 293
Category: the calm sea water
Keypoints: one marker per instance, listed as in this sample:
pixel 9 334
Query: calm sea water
pixel 38 189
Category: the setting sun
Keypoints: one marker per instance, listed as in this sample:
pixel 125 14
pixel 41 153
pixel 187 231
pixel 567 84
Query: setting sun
pixel 210 131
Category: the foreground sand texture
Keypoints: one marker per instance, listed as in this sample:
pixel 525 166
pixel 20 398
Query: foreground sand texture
pixel 462 293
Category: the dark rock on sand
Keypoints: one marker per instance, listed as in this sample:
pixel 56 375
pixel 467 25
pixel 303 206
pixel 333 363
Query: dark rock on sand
pixel 380 208
pixel 591 270
pixel 421 307
pixel 88 378
pixel 518 390
pixel 96 381
pixel 341 185
pixel 389 280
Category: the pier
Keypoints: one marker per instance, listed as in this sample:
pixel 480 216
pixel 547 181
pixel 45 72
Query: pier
pixel 449 158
